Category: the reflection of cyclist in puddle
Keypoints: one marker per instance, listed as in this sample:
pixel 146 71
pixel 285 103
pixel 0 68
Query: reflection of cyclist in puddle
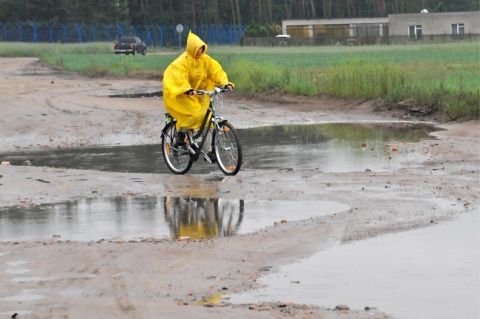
pixel 203 218
pixel 191 71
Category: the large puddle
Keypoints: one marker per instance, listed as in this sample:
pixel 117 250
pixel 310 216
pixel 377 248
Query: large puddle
pixel 327 147
pixel 420 274
pixel 136 218
pixel 336 147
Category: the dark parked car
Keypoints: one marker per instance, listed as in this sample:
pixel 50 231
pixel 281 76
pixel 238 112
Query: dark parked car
pixel 130 45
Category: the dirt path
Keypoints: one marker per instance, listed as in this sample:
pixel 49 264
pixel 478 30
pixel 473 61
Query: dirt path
pixel 40 109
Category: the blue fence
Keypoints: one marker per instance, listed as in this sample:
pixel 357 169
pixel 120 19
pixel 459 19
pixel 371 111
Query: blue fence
pixel 153 35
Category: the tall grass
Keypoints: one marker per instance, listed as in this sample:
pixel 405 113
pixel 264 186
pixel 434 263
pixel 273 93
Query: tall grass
pixel 20 49
pixel 95 65
pixel 92 59
pixel 444 77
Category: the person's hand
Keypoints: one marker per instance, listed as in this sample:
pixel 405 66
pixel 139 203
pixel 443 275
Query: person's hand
pixel 191 92
pixel 228 86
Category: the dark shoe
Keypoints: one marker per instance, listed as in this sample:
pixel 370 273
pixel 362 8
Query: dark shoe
pixel 180 139
pixel 212 157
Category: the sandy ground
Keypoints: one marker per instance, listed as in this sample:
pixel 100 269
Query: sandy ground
pixel 165 279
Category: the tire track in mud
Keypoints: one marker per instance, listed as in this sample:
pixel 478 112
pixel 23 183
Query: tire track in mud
pixel 116 280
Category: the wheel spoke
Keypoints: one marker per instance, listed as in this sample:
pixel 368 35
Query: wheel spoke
pixel 228 149
pixel 177 159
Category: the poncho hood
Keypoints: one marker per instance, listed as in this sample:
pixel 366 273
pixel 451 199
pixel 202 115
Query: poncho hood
pixel 193 44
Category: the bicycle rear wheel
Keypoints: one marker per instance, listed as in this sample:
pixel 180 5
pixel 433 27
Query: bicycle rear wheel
pixel 227 148
pixel 177 158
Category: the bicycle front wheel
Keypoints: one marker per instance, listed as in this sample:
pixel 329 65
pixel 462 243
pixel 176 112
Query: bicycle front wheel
pixel 227 148
pixel 177 158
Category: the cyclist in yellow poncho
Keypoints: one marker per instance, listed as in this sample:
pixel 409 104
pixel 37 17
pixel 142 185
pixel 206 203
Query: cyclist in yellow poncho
pixel 192 70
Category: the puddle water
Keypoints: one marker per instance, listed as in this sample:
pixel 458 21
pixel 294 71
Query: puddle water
pixel 26 295
pixel 17 263
pixel 34 72
pixel 337 147
pixel 16 267
pixel 67 276
pixel 419 274
pixel 152 217
pixel 18 271
pixel 29 279
pixel 137 95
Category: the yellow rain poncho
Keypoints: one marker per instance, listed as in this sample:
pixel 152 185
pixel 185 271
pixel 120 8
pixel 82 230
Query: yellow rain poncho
pixel 185 73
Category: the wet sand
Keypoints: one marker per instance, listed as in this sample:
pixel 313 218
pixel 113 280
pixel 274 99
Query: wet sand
pixel 167 278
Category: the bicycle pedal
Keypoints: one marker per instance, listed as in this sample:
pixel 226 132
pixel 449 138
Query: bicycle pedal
pixel 209 157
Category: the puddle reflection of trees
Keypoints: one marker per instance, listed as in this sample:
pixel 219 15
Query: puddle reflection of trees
pixel 342 132
pixel 383 132
pixel 203 218
pixel 124 217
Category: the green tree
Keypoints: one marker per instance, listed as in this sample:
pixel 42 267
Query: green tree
pixel 172 12
pixel 252 30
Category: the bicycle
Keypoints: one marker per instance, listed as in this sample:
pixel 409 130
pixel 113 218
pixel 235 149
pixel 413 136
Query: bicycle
pixel 203 217
pixel 225 142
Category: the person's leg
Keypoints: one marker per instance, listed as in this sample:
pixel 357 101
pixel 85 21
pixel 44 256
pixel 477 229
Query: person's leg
pixel 180 137
pixel 207 146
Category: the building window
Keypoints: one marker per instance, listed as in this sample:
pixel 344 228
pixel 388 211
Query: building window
pixel 415 31
pixel 458 30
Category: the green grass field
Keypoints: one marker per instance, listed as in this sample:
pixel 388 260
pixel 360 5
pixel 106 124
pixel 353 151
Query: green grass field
pixel 445 77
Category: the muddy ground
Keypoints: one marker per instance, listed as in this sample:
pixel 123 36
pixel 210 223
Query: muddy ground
pixel 41 109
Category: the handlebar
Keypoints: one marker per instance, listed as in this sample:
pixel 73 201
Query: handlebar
pixel 215 91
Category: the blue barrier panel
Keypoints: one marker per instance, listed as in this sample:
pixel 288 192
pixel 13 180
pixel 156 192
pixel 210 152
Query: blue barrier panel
pixel 4 27
pixel 152 35
pixel 148 38
pixel 50 28
pixel 107 29
pixel 20 29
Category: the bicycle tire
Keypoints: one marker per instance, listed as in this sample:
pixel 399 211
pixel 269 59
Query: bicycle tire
pixel 178 159
pixel 228 150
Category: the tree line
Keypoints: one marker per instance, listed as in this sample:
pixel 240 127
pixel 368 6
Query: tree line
pixel 198 12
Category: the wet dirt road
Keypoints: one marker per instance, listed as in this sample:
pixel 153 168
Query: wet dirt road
pixel 167 278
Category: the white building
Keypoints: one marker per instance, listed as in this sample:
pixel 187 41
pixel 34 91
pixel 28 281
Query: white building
pixel 396 28
pixel 450 23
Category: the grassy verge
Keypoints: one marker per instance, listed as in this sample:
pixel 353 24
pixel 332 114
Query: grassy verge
pixel 441 78
pixel 12 49
pixel 444 78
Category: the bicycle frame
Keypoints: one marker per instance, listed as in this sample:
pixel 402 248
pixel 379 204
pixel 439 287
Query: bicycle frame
pixel 226 148
pixel 197 148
